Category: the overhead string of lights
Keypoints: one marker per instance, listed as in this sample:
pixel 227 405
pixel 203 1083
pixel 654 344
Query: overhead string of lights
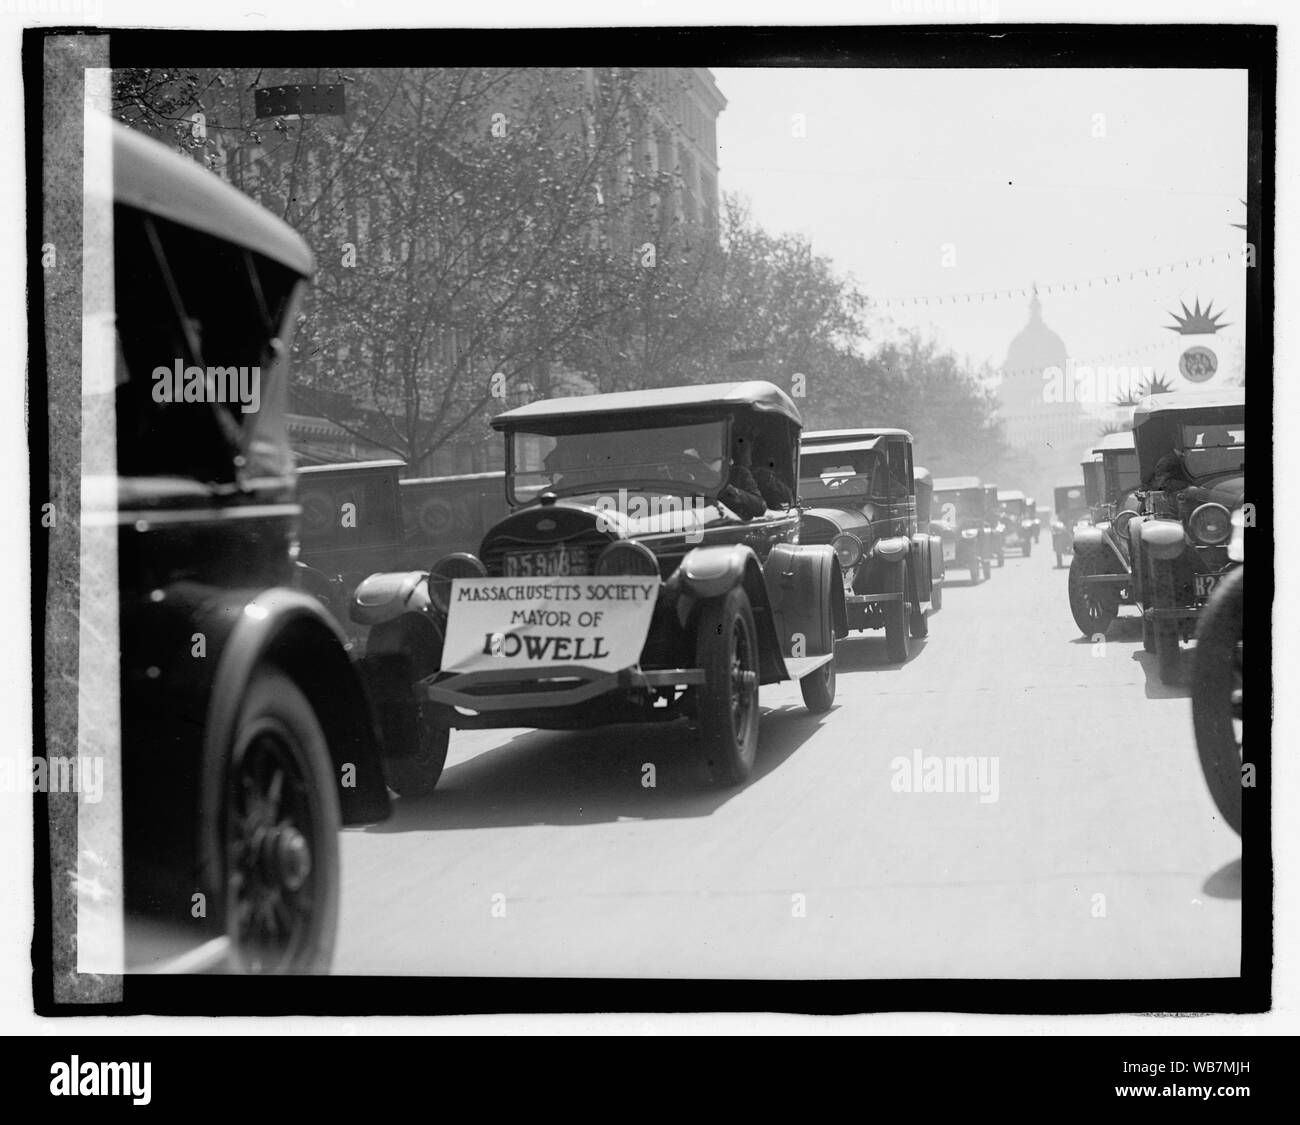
pixel 1080 285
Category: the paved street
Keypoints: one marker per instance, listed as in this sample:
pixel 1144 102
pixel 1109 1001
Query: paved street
pixel 1098 794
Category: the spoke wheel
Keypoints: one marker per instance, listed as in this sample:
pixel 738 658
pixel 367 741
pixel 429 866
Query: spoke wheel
pixel 279 832
pixel 727 713
pixel 1093 607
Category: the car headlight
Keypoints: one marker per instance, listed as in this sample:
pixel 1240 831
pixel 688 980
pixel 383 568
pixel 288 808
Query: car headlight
pixel 627 556
pixel 848 549
pixel 969 532
pixel 459 565
pixel 1210 524
pixel 1123 520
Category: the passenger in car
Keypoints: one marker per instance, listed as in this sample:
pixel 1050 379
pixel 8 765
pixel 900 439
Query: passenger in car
pixel 742 493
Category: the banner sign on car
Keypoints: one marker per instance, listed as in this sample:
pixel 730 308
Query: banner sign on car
pixel 534 623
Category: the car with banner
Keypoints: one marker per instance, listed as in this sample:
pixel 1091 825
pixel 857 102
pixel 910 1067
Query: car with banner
pixel 1191 452
pixel 246 738
pixel 859 493
pixel 959 521
pixel 1071 509
pixel 1100 571
pixel 650 569
pixel 1017 520
pixel 1218 683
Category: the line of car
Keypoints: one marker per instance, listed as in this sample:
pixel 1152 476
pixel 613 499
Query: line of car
pixel 1158 524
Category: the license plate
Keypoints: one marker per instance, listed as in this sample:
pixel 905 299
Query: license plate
pixel 552 563
pixel 1204 583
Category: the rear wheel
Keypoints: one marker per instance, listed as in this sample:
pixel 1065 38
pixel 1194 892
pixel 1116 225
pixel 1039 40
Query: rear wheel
pixel 1093 607
pixel 727 712
pixel 1165 629
pixel 278 833
pixel 1216 696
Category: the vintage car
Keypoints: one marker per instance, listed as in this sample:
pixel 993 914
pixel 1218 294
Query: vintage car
pixel 1218 684
pixel 351 527
pixel 1071 509
pixel 639 578
pixel 1100 572
pixel 994 525
pixel 246 738
pixel 1191 451
pixel 958 520
pixel 860 494
pixel 1017 521
pixel 1034 515
pixel 442 515
pixel 924 518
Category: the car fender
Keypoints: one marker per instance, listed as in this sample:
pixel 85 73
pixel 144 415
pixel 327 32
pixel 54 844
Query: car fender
pixel 386 596
pixel 1163 539
pixel 706 573
pixel 293 631
pixel 399 652
pixel 806 592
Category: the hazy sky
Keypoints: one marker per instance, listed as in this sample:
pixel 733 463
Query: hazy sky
pixel 1003 164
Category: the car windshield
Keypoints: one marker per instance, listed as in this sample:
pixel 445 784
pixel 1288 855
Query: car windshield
pixel 1014 508
pixel 855 473
pixel 658 459
pixel 1126 472
pixel 1211 450
pixel 963 503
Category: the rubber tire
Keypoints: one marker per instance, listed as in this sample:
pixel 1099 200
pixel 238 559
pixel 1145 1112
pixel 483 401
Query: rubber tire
pixel 1213 663
pixel 897 645
pixel 1002 558
pixel 1059 564
pixel 417 775
pixel 976 573
pixel 818 688
pixel 1148 635
pixel 1028 548
pixel 936 596
pixel 728 755
pixel 272 695
pixel 1168 651
pixel 988 569
pixel 1089 623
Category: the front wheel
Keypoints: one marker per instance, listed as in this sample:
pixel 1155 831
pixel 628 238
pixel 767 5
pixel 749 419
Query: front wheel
pixel 1093 607
pixel 818 688
pixel 1059 564
pixel 1216 696
pixel 1029 546
pixel 417 775
pixel 936 596
pixel 988 569
pixel 726 649
pixel 896 631
pixel 278 831
pixel 1168 653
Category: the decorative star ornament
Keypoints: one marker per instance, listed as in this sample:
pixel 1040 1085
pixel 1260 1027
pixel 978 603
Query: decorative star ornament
pixel 1194 322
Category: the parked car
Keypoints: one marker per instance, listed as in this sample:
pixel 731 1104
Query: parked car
pixel 1018 524
pixel 246 738
pixel 959 523
pixel 994 525
pixel 1218 683
pixel 351 527
pixel 1071 509
pixel 859 493
pixel 924 518
pixel 1191 449
pixel 1100 570
pixel 446 514
pixel 638 578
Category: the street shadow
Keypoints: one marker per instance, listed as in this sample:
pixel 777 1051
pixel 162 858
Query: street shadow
pixel 1155 687
pixel 571 778
pixel 1226 882
pixel 868 652
pixel 1123 630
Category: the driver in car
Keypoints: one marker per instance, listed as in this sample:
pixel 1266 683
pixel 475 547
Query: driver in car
pixel 742 493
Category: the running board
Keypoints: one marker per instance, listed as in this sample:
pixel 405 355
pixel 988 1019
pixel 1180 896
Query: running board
pixel 800 666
